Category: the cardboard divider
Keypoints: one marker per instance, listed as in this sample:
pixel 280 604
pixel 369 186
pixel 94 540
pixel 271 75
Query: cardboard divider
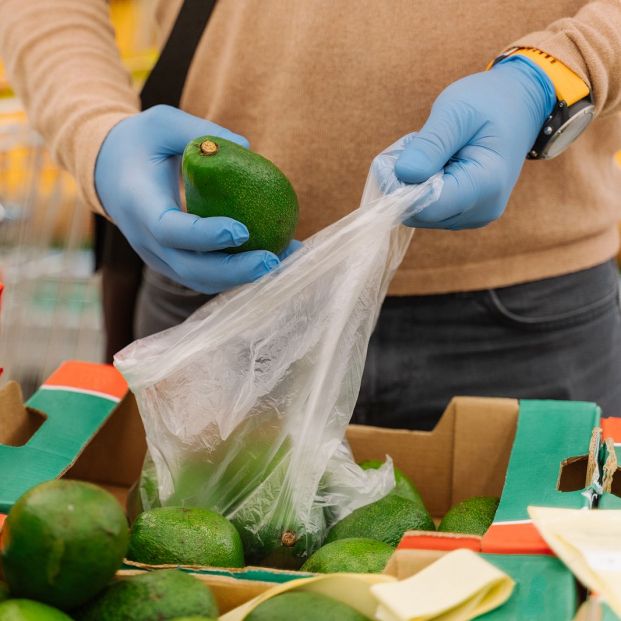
pixel 77 400
pixel 18 423
pixel 611 465
pixel 114 457
pixel 573 473
pixel 88 377
pixel 549 433
pixel 465 455
pixel 419 540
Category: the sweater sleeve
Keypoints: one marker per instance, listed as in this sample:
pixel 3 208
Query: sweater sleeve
pixel 62 61
pixel 590 44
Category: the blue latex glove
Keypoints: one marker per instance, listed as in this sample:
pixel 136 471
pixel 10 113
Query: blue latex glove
pixel 479 131
pixel 137 180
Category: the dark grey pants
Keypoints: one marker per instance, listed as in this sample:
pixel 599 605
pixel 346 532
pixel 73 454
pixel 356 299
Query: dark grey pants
pixel 558 338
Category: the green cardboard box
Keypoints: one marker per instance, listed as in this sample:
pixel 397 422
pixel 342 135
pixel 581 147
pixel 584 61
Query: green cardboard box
pixel 79 424
pixel 611 465
pixel 545 589
pixel 554 463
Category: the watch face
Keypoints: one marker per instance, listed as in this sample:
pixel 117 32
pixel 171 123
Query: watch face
pixel 568 132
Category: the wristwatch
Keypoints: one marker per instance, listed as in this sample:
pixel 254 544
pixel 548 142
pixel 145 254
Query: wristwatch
pixel 574 108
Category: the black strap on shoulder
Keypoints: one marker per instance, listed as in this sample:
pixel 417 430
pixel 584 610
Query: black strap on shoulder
pixel 165 82
pixel 121 267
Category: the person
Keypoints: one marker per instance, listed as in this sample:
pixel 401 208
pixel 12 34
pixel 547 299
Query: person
pixel 508 289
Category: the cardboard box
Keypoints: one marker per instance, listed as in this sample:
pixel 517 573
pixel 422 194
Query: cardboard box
pixel 611 465
pixel 541 453
pixel 545 588
pixel 91 430
pixel 80 424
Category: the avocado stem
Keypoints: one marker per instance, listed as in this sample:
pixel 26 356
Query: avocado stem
pixel 208 147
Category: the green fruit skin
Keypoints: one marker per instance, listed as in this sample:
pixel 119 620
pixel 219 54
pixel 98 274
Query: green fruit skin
pixel 255 454
pixel 4 592
pixel 242 185
pixel 193 618
pixel 223 478
pixel 355 555
pixel 154 596
pixel 472 516
pixel 266 547
pixel 27 610
pixel 63 542
pixel 185 536
pixel 385 520
pixel 144 493
pixel 303 606
pixel 403 484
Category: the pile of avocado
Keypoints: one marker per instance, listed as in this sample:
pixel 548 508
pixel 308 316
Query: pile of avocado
pixel 362 542
pixel 62 543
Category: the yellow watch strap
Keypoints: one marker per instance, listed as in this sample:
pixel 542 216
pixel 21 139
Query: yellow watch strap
pixel 569 87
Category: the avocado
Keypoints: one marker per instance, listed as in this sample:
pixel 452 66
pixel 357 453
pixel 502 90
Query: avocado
pixel 242 478
pixel 403 484
pixel 472 516
pixel 355 555
pixel 304 606
pixel 62 542
pixel 282 541
pixel 4 592
pixel 143 494
pixel 27 610
pixel 171 535
pixel 385 520
pixel 222 178
pixel 154 596
pixel 222 478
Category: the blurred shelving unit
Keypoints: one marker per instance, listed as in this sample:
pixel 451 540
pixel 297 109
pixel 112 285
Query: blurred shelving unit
pixel 50 304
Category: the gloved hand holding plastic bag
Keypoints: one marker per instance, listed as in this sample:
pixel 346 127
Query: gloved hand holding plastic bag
pixel 246 404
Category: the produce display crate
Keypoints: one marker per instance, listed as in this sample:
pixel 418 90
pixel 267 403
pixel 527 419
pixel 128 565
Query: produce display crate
pixel 83 424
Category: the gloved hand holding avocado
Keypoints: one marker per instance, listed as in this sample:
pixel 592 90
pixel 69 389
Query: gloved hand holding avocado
pixel 250 206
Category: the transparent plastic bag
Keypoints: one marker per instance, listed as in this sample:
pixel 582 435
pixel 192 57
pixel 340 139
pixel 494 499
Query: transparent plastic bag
pixel 246 404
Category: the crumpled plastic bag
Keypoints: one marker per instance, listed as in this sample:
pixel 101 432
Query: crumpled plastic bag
pixel 245 405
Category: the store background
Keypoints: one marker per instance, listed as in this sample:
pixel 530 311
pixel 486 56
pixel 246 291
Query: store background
pixel 50 304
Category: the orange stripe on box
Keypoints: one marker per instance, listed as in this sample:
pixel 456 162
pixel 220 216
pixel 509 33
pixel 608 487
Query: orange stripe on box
pixel 89 376
pixel 611 428
pixel 439 541
pixel 514 538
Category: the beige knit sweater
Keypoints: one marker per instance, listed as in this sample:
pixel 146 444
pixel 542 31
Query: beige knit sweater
pixel 321 86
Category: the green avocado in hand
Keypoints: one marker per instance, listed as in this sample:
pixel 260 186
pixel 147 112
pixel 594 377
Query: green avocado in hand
pixel 222 178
